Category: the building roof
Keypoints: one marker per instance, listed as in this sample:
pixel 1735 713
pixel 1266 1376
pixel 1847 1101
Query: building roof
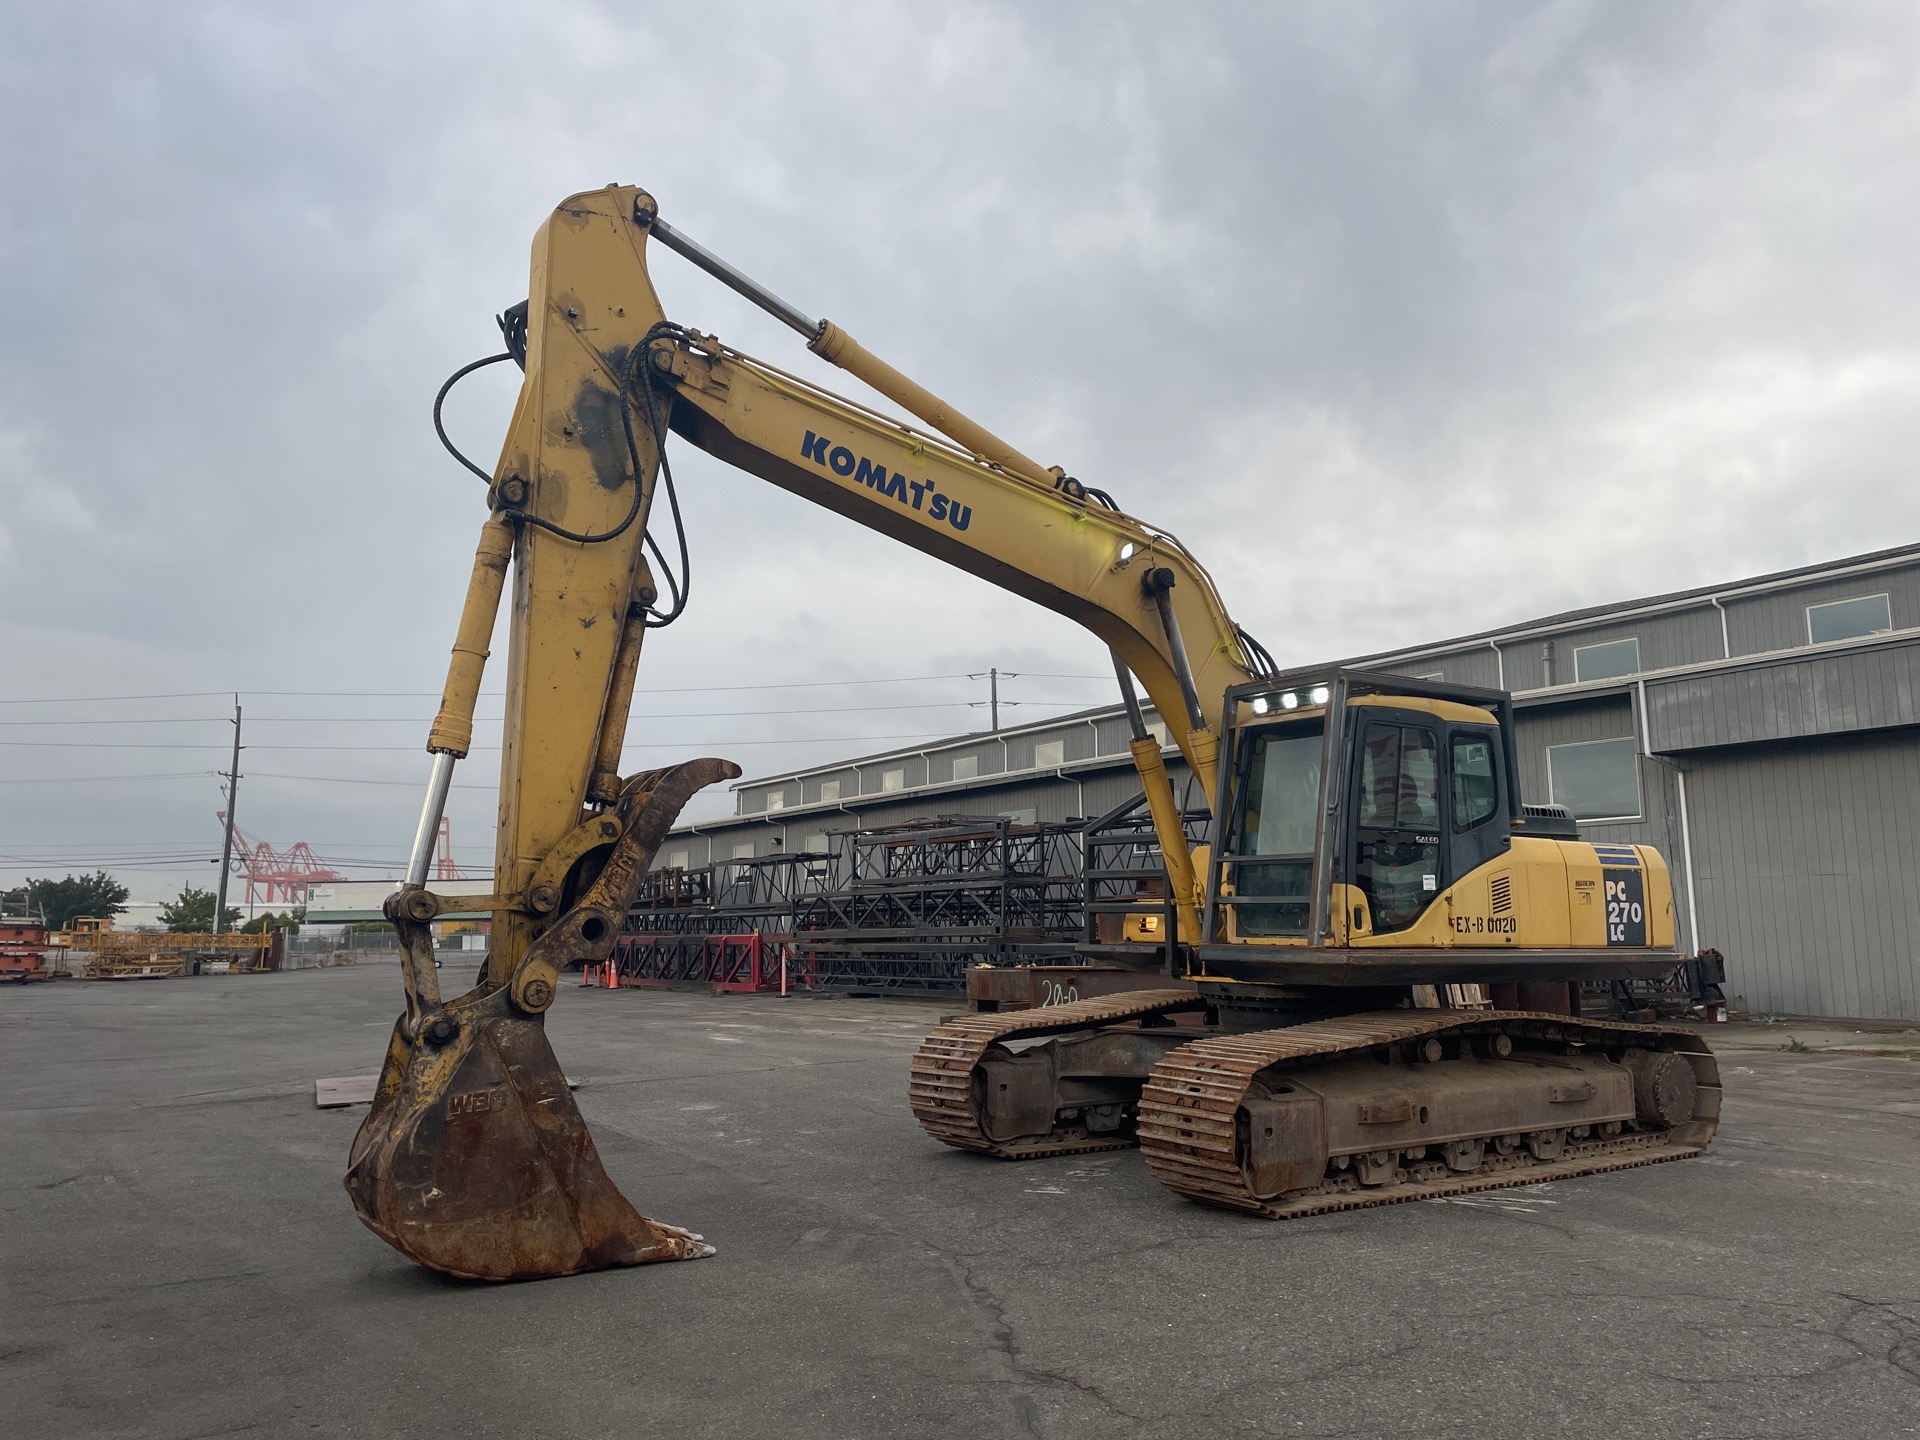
pixel 971 737
pixel 1619 609
pixel 1732 589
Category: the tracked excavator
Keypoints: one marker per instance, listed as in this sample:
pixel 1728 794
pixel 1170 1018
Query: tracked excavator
pixel 1373 994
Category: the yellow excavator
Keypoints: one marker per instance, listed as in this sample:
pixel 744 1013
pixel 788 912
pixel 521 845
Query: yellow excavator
pixel 1374 991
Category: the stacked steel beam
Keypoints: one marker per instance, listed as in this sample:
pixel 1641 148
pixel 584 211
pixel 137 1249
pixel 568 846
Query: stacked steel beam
pixel 903 909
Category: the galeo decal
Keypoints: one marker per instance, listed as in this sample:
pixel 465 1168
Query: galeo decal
pixel 910 494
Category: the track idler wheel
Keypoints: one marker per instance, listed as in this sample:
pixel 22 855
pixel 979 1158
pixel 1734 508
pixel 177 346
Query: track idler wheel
pixel 474 1159
pixel 1665 1091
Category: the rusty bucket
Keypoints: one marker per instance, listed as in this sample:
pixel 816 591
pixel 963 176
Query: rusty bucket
pixel 474 1159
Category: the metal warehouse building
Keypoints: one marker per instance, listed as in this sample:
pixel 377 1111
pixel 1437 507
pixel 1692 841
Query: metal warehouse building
pixel 1765 735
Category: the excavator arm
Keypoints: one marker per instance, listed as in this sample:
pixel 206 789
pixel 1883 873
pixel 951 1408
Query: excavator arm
pixel 473 1158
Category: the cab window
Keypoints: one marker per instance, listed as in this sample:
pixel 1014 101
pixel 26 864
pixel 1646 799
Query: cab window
pixel 1283 795
pixel 1278 825
pixel 1399 779
pixel 1397 819
pixel 1476 794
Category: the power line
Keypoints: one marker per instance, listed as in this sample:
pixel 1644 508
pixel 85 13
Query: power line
pixel 497 719
pixel 496 695
pixel 96 779
pixel 410 749
pixel 413 784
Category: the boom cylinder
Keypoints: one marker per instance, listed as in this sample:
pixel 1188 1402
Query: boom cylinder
pixel 1172 833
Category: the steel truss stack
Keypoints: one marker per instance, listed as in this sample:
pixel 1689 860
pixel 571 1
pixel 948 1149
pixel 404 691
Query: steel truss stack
pixel 1124 897
pixel 905 909
pixel 915 906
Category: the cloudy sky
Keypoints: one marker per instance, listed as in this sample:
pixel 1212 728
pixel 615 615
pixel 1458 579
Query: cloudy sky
pixel 1410 319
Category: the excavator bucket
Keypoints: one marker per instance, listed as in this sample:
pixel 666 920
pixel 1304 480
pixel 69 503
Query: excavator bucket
pixel 474 1159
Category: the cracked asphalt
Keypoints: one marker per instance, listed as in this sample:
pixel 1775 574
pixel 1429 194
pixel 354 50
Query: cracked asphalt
pixel 179 1260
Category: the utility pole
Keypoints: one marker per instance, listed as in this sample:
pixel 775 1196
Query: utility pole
pixel 233 799
pixel 992 677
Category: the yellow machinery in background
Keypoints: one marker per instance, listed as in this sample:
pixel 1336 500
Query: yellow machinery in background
pixel 1377 944
pixel 162 954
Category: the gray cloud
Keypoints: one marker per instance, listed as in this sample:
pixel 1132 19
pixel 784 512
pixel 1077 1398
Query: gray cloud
pixel 1408 320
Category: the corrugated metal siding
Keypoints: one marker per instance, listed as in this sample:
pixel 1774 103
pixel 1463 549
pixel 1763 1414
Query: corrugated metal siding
pixel 1085 738
pixel 1865 689
pixel 1778 621
pixel 1605 717
pixel 1685 637
pixel 1806 855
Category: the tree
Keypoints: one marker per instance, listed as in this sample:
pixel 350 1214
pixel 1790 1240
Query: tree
pixel 192 913
pixel 95 894
pixel 289 922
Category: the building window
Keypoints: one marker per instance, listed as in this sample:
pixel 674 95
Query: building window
pixel 743 851
pixel 776 800
pixel 1604 662
pixel 1050 754
pixel 966 767
pixel 891 780
pixel 1844 619
pixel 1028 816
pixel 676 859
pixel 1596 779
pixel 829 789
pixel 816 844
pixel 1431 675
pixel 1158 730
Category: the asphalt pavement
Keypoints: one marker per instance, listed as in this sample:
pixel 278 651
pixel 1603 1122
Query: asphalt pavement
pixel 179 1261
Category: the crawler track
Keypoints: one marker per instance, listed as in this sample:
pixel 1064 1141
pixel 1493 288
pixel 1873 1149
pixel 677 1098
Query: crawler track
pixel 941 1084
pixel 1188 1118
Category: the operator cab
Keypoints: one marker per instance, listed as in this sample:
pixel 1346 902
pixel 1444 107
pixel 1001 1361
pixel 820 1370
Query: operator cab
pixel 1422 793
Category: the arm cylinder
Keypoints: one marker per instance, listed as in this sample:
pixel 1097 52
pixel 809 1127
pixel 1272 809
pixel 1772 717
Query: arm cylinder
pixel 731 278
pixel 835 345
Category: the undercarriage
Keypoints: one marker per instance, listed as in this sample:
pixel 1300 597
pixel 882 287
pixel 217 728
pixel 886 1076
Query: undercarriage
pixel 1330 1113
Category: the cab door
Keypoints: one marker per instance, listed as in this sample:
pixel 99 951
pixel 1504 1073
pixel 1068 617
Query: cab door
pixel 1395 855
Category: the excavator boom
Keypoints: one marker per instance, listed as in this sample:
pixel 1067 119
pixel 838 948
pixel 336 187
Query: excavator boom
pixel 474 1158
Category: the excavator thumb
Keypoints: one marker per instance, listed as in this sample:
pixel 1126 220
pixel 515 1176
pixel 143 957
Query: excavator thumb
pixel 474 1159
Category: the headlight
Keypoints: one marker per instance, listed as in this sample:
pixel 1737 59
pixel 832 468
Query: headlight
pixel 1320 694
